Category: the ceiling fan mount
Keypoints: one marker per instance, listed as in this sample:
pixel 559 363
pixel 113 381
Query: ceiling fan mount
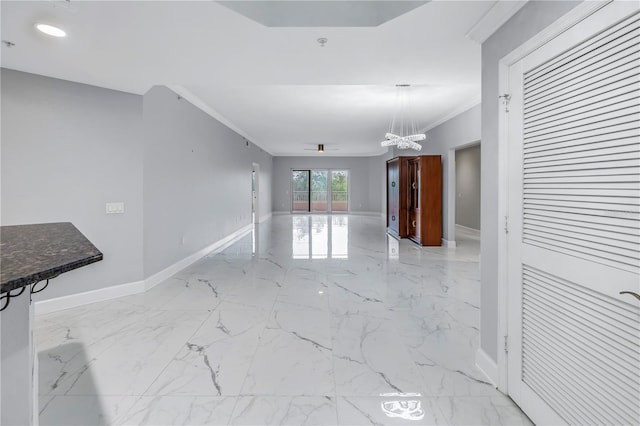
pixel 321 148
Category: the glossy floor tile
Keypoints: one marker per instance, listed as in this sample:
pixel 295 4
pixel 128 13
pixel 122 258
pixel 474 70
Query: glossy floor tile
pixel 310 319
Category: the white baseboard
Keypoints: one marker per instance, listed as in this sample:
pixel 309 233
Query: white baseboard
pixel 377 214
pixel 74 300
pixel 168 272
pixel 112 292
pixel 487 366
pixel 448 244
pixel 265 217
pixel 468 228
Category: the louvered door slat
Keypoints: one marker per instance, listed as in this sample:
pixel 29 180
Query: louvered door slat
pixel 612 116
pixel 566 368
pixel 619 218
pixel 596 67
pixel 554 323
pixel 576 113
pixel 613 225
pixel 604 132
pixel 624 87
pixel 617 80
pixel 586 228
pixel 585 249
pixel 573 199
pixel 591 185
pixel 604 172
pixel 596 44
pixel 618 142
pixel 584 104
pixel 599 74
pixel 600 412
pixel 616 322
pixel 581 231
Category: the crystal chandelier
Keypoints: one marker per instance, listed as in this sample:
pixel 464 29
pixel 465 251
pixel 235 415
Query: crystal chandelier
pixel 403 132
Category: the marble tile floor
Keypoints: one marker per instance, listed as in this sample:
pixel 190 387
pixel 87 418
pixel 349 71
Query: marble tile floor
pixel 308 320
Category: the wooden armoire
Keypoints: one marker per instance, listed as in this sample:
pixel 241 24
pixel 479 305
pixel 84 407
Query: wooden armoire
pixel 414 199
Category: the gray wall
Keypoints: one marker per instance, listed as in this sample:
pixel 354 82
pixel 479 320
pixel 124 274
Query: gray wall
pixel 530 20
pixel 67 149
pixel 468 187
pixel 366 180
pixel 197 180
pixel 459 131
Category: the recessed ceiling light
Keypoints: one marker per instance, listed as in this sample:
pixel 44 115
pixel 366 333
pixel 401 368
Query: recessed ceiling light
pixel 51 30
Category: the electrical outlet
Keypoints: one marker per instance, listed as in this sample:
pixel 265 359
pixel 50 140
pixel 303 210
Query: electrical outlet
pixel 115 208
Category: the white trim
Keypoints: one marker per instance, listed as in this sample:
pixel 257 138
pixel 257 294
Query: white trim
pixel 128 289
pixel 487 366
pixel 330 154
pixel 471 230
pixel 265 217
pixel 255 178
pixel 377 214
pixel 219 245
pixel 571 18
pixel 79 299
pixel 464 108
pixel 200 104
pixel 449 244
pixel 495 17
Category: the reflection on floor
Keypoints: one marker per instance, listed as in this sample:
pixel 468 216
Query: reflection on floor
pixel 308 320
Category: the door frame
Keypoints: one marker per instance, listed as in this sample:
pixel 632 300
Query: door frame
pixel 255 170
pixel 499 372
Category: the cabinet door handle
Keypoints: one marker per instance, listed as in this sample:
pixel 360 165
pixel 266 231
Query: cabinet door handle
pixel 413 223
pixel 636 295
pixel 413 185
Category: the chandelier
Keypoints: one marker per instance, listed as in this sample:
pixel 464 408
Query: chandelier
pixel 403 133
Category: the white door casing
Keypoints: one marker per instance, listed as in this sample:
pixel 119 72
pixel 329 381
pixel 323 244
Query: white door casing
pixel 573 207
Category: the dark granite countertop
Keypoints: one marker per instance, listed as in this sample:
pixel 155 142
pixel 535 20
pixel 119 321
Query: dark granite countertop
pixel 32 253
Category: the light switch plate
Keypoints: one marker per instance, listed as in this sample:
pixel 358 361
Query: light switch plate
pixel 115 208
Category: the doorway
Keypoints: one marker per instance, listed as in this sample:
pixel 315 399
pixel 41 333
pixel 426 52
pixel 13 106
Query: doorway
pixel 467 188
pixel 255 191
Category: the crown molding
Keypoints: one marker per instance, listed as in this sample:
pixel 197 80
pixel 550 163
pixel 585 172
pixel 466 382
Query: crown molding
pixel 500 12
pixel 455 112
pixel 200 104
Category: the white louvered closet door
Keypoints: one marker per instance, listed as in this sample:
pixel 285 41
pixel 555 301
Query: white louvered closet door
pixel 574 219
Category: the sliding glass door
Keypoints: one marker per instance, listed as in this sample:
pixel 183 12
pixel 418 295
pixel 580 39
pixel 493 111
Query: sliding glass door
pixel 319 191
pixel 300 190
pixel 339 191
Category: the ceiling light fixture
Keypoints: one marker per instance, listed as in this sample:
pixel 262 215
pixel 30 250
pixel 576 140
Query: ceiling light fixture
pixel 403 132
pixel 323 41
pixel 51 30
pixel 320 148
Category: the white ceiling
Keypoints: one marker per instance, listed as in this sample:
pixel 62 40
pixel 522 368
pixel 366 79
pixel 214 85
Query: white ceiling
pixel 275 85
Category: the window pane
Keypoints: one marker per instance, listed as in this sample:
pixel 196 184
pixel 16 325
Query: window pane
pixel 319 187
pixel 339 190
pixel 300 185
